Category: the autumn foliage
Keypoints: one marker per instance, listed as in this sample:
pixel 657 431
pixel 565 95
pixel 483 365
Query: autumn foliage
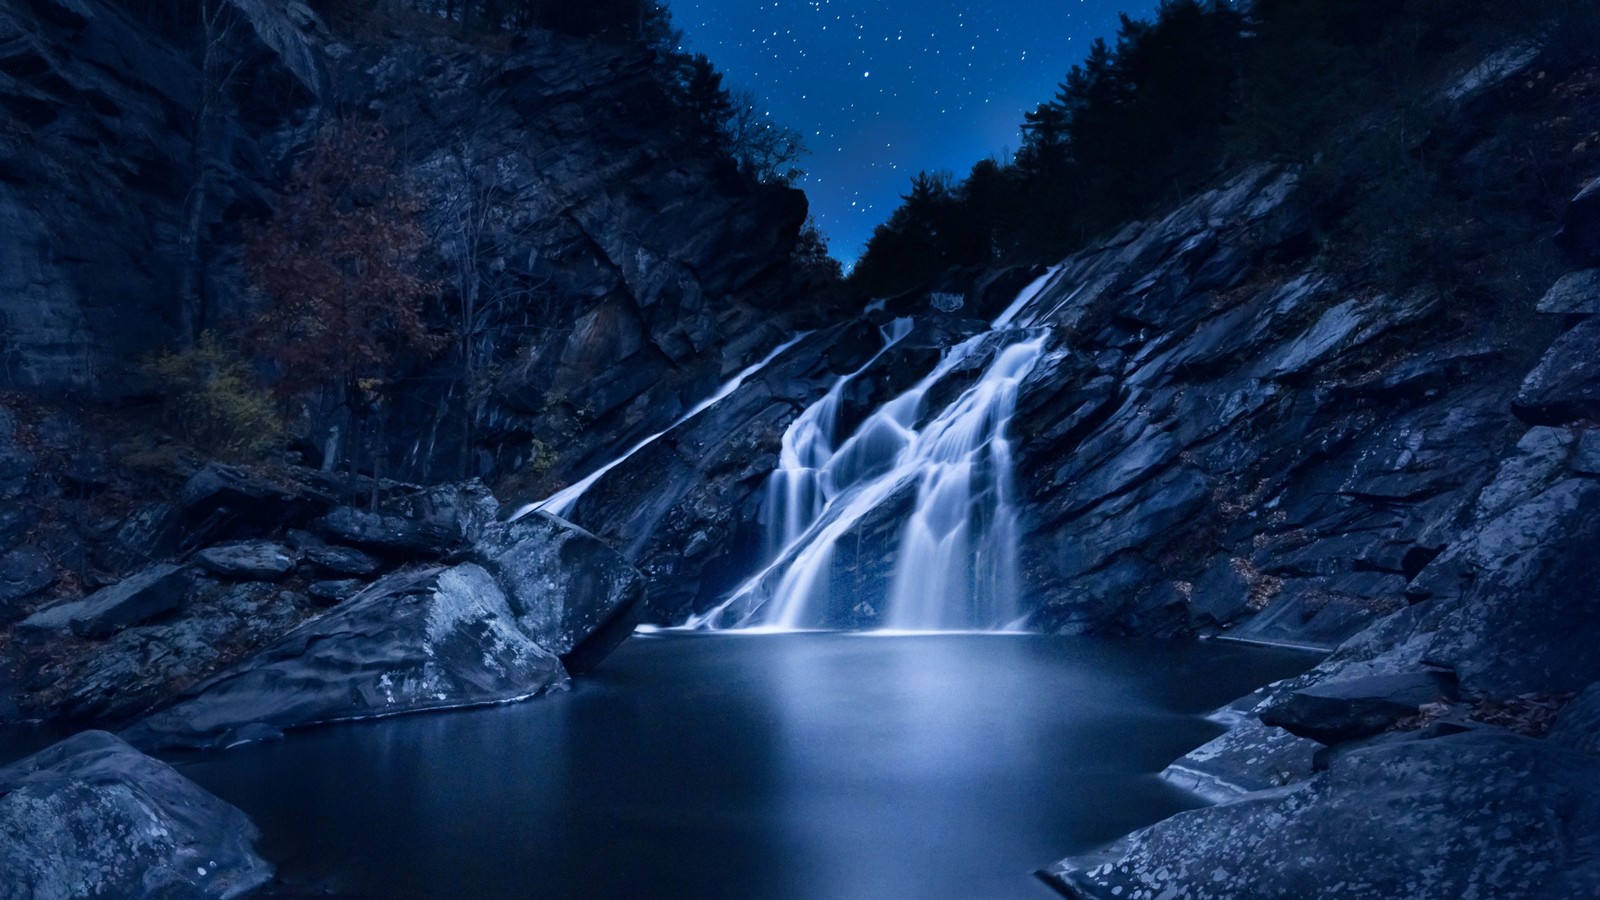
pixel 336 266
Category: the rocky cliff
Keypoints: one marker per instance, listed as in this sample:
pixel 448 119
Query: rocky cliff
pixel 1229 432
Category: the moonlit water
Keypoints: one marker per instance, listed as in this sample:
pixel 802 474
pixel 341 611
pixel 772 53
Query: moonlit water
pixel 956 567
pixel 562 502
pixel 780 767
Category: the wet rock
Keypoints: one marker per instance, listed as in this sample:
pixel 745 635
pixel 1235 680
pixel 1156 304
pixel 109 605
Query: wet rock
pixel 1346 709
pixel 248 560
pixel 155 591
pixel 418 640
pixel 1565 386
pixel 563 583
pixel 1577 293
pixel 1487 815
pixel 24 572
pixel 1249 756
pixel 92 817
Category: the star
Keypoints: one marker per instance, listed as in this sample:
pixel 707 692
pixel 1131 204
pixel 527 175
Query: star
pixel 950 80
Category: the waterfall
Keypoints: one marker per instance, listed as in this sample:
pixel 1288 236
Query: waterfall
pixel 562 502
pixel 956 566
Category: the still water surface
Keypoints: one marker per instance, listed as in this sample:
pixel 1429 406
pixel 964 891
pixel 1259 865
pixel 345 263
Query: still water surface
pixel 796 766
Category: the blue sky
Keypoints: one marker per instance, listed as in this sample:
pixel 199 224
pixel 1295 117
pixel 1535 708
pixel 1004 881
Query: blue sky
pixel 883 89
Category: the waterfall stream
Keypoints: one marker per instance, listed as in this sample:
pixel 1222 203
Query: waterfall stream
pixel 562 502
pixel 956 563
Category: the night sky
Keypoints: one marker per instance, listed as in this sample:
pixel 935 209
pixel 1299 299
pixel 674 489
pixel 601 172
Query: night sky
pixel 883 89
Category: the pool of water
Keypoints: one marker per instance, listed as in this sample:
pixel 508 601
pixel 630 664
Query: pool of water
pixel 818 766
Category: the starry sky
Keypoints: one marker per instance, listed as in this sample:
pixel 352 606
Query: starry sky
pixel 883 89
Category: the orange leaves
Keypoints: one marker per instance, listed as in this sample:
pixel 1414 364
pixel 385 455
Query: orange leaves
pixel 336 265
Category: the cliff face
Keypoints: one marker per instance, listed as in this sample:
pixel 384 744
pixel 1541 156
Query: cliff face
pixel 101 147
pixel 598 272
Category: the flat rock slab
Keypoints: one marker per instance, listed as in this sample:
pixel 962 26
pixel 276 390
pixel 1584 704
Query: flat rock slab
pixel 155 591
pixel 420 640
pixel 1345 710
pixel 93 817
pixel 248 560
pixel 1473 815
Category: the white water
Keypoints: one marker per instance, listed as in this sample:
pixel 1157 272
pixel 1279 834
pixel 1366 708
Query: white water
pixel 562 502
pixel 956 565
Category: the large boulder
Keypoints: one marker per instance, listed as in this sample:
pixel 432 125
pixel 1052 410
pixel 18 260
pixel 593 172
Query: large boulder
pixel 433 638
pixel 155 591
pixel 1472 815
pixel 93 817
pixel 570 591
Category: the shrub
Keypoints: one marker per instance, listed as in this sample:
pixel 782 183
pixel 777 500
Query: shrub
pixel 213 401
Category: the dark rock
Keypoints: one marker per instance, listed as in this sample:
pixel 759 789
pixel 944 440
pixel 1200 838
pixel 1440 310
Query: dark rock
pixel 239 492
pixel 16 521
pixel 387 533
pixel 1580 226
pixel 417 640
pixel 18 464
pixel 153 592
pixel 1343 710
pixel 144 666
pixel 24 572
pixel 329 593
pixel 563 583
pixel 1516 608
pixel 92 817
pixel 1577 293
pixel 1486 815
pixel 1578 725
pixel 1249 756
pixel 1586 452
pixel 248 560
pixel 1565 386
pixel 339 560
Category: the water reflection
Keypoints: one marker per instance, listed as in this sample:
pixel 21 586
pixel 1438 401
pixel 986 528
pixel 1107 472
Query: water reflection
pixel 779 766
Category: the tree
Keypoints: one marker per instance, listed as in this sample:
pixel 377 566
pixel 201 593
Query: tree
pixel 336 267
pixel 764 150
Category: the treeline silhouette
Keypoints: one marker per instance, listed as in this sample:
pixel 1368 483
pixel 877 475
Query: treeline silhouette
pixel 1202 85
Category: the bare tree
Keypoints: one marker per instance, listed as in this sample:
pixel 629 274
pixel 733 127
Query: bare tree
pixel 219 66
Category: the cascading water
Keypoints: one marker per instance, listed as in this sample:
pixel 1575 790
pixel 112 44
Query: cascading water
pixel 803 484
pixel 956 566
pixel 562 502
